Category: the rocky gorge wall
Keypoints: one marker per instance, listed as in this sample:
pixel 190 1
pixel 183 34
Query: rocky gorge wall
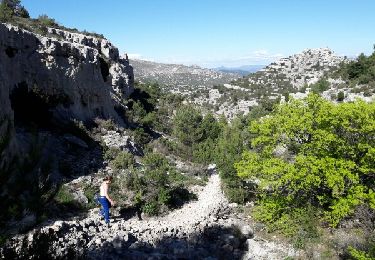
pixel 76 76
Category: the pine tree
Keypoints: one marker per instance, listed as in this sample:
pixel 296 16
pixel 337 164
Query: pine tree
pixel 5 12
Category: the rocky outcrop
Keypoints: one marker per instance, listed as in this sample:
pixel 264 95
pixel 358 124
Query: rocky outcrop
pixel 62 77
pixel 271 84
pixel 86 73
pixel 299 69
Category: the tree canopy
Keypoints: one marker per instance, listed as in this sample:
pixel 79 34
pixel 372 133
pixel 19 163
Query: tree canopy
pixel 313 152
pixel 9 8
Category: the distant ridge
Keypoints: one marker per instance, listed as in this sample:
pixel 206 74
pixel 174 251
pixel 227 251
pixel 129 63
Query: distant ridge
pixel 179 75
pixel 242 70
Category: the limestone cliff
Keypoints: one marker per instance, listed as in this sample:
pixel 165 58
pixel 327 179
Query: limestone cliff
pixel 76 76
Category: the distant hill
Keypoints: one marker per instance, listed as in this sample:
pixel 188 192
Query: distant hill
pixel 293 72
pixel 335 77
pixel 268 85
pixel 178 76
pixel 242 70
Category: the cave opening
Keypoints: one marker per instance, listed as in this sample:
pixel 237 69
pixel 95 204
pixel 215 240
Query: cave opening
pixel 11 52
pixel 30 107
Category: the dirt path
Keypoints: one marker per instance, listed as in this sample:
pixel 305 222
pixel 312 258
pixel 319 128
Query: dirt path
pixel 205 228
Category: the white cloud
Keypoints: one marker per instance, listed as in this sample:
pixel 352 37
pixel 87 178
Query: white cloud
pixel 257 57
pixel 138 56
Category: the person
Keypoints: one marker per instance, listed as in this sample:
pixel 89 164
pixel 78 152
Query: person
pixel 104 199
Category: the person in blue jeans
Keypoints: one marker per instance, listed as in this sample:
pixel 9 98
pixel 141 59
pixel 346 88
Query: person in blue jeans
pixel 104 199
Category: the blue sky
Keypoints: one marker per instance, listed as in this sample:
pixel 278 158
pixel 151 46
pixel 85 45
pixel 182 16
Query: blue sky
pixel 211 33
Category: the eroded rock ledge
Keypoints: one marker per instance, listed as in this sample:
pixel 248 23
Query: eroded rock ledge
pixel 63 76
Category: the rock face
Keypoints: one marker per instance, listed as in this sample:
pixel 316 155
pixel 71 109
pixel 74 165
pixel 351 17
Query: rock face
pixel 71 75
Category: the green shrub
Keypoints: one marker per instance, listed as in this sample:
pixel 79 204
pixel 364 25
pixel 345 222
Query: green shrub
pixel 46 21
pixel 6 12
pixel 164 196
pixel 203 152
pixel 361 255
pixel 64 196
pixel 108 124
pixel 157 186
pixel 90 191
pixel 141 137
pixel 328 159
pixel 235 193
pixel 187 125
pixel 151 208
pixel 10 9
pixel 320 86
pixel 340 96
pixel 111 153
pixel 123 160
pixel 359 71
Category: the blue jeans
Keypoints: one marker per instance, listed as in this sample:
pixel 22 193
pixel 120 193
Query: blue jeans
pixel 105 208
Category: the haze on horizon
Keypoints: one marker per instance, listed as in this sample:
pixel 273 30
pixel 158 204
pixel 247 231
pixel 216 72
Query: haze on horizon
pixel 215 33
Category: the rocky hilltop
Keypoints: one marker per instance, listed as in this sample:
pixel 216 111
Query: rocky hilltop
pixel 71 75
pixel 276 81
pixel 297 70
pixel 177 76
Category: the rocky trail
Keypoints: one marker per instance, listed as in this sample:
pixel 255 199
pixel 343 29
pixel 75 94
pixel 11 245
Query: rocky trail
pixel 207 228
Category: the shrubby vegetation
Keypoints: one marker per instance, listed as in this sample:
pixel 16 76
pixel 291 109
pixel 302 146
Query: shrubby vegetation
pixel 25 181
pixel 12 8
pixel 360 71
pixel 11 11
pixel 311 159
pixel 193 137
pixel 150 108
pixel 153 187
pixel 320 86
pixel 357 254
pixel 205 140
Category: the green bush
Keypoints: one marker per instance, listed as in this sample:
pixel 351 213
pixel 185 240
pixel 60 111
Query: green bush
pixel 157 186
pixel 356 254
pixel 90 191
pixel 204 152
pixel 111 153
pixel 141 137
pixel 359 71
pixel 151 208
pixel 64 196
pixel 234 190
pixel 10 9
pixel 320 86
pixel 340 96
pixel 164 196
pixel 108 124
pixel 187 125
pixel 6 12
pixel 44 20
pixel 156 170
pixel 327 158
pixel 123 160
